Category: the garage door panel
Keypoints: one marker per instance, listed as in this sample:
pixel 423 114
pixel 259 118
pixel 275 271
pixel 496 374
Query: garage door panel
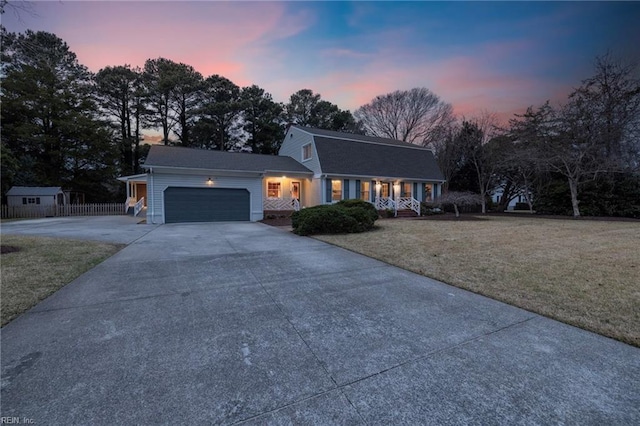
pixel 206 204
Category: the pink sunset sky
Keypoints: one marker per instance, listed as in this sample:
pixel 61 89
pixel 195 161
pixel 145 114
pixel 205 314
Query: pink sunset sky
pixel 500 57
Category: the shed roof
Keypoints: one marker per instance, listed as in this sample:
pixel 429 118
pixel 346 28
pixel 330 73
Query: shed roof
pixel 34 190
pixel 180 157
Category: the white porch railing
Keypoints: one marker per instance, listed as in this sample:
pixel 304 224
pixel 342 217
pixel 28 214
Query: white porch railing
pixel 281 204
pixel 138 206
pixel 127 203
pixel 409 203
pixel 385 203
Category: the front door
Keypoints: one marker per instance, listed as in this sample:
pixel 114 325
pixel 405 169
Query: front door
pixel 295 190
pixel 385 190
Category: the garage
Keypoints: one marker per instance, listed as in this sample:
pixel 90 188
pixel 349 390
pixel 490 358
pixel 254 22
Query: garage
pixel 206 204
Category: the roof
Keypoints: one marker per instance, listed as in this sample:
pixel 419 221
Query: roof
pixel 355 137
pixel 192 158
pixel 341 157
pixel 34 190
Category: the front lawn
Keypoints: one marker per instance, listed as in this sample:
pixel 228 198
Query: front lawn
pixel 32 268
pixel 581 272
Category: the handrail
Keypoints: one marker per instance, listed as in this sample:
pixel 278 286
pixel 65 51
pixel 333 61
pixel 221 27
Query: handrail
pixel 138 206
pixel 409 203
pixel 285 203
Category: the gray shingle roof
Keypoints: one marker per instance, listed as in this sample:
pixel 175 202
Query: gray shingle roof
pixel 173 156
pixel 348 157
pixel 34 190
pixel 362 138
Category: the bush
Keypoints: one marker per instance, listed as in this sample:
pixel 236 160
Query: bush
pixel 368 207
pixel 428 208
pixel 332 219
pixel 521 206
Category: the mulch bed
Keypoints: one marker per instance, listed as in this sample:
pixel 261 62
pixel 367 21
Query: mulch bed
pixel 8 249
pixel 280 221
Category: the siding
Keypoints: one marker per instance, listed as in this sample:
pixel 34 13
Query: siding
pixel 292 145
pixel 160 181
pixel 45 200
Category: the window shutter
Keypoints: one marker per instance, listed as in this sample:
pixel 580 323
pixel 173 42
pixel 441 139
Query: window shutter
pixel 345 189
pixel 372 191
pixel 424 192
pixel 24 200
pixel 358 189
pixel 415 190
pixel 328 191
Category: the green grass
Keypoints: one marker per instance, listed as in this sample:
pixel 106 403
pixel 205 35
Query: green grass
pixel 41 267
pixel 585 273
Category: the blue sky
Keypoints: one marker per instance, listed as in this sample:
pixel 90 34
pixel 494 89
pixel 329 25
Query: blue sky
pixel 495 56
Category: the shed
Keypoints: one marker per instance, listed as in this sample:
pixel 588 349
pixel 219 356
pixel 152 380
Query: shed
pixel 35 196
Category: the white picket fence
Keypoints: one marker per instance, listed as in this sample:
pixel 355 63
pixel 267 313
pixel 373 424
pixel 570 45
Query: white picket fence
pixel 26 212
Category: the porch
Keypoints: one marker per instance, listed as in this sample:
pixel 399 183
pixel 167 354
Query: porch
pixel 136 186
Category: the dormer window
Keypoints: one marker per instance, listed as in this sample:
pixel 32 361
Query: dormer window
pixel 306 152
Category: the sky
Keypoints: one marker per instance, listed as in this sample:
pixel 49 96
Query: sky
pixel 499 57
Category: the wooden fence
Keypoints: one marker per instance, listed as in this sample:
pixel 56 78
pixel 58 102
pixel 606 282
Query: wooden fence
pixel 107 209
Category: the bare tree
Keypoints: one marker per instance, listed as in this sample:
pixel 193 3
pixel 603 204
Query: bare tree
pixel 483 150
pixel 416 116
pixel 458 199
pixel 596 132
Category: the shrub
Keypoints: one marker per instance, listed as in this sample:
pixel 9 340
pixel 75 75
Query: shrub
pixel 521 206
pixel 390 213
pixel 368 207
pixel 428 208
pixel 332 219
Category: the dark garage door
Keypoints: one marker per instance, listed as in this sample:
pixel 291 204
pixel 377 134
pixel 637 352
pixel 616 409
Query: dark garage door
pixel 205 204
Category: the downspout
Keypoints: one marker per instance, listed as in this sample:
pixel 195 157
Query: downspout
pixel 153 216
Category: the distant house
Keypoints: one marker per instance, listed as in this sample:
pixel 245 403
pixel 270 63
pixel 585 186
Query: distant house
pixel 35 196
pixel 313 167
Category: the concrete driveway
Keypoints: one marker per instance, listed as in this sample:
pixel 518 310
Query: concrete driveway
pixel 111 229
pixel 244 323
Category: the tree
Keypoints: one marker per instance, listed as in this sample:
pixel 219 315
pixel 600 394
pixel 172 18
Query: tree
pixel 118 91
pixel 219 112
pixel 262 120
pixel 187 85
pixel 159 84
pixel 458 199
pixel 308 109
pixel 417 116
pixel 50 120
pixel 483 152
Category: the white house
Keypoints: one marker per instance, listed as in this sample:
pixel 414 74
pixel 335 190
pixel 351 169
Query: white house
pixel 35 196
pixel 313 167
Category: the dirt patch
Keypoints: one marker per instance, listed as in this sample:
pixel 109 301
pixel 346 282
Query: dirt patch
pixel 8 249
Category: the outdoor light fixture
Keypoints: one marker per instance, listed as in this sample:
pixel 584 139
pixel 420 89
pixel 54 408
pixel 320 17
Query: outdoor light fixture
pixel 209 181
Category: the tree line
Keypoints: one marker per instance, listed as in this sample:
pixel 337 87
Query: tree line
pixel 65 126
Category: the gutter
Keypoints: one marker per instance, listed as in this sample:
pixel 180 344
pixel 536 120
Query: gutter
pixel 153 217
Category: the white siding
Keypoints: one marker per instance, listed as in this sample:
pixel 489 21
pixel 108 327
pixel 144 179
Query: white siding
pixel 292 145
pixel 45 200
pixel 158 182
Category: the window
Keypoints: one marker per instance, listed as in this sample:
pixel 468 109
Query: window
pixel 274 190
pixel 428 192
pixel 306 152
pixel 365 188
pixel 30 200
pixel 405 190
pixel 336 190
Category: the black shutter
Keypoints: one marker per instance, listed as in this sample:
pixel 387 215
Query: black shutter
pixel 345 189
pixel 328 191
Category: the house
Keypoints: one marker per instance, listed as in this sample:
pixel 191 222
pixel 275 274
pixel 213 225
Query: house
pixel 35 196
pixel 313 167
